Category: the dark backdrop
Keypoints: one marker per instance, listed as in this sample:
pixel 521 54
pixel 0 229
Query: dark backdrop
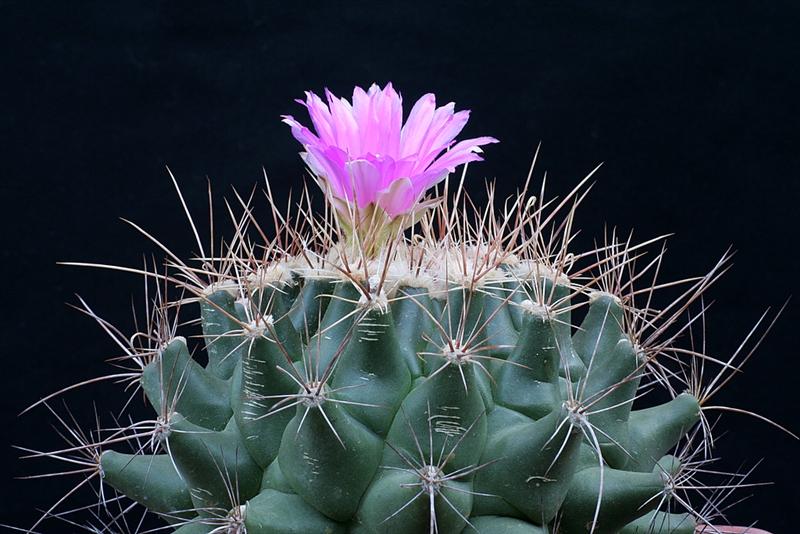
pixel 692 107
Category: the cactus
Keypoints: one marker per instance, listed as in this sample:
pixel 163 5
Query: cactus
pixel 415 366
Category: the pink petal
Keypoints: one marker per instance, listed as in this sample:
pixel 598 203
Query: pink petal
pixel 330 164
pixel 379 115
pixel 394 112
pixel 320 117
pixel 440 118
pixel 365 180
pixel 450 129
pixel 441 139
pixel 386 167
pixel 368 128
pixel 399 198
pixel 346 128
pixel 300 132
pixel 423 182
pixel 388 109
pixel 417 124
pixel 461 152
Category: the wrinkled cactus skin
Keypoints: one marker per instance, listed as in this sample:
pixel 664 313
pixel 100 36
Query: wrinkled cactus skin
pixel 320 411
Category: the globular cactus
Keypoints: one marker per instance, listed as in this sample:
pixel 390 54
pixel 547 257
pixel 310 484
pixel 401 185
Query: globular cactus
pixel 400 365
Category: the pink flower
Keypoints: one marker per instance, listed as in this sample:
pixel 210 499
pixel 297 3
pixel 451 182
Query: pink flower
pixel 363 151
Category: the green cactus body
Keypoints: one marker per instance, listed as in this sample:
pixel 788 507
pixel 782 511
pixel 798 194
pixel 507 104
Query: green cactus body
pixel 325 408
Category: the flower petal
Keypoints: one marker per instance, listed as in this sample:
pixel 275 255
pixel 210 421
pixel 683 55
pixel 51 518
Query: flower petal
pixel 398 199
pixel 300 132
pixel 329 163
pixel 379 115
pixel 364 180
pixel 462 152
pixel 417 124
pixel 346 127
pixel 441 139
pixel 441 116
pixel 423 182
pixel 320 117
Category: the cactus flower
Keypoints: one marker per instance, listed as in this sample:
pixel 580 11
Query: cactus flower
pixel 364 155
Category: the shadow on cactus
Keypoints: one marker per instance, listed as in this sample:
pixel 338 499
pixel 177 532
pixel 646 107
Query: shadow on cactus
pixel 409 360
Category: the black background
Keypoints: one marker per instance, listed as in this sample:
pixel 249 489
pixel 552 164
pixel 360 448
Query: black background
pixel 692 106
